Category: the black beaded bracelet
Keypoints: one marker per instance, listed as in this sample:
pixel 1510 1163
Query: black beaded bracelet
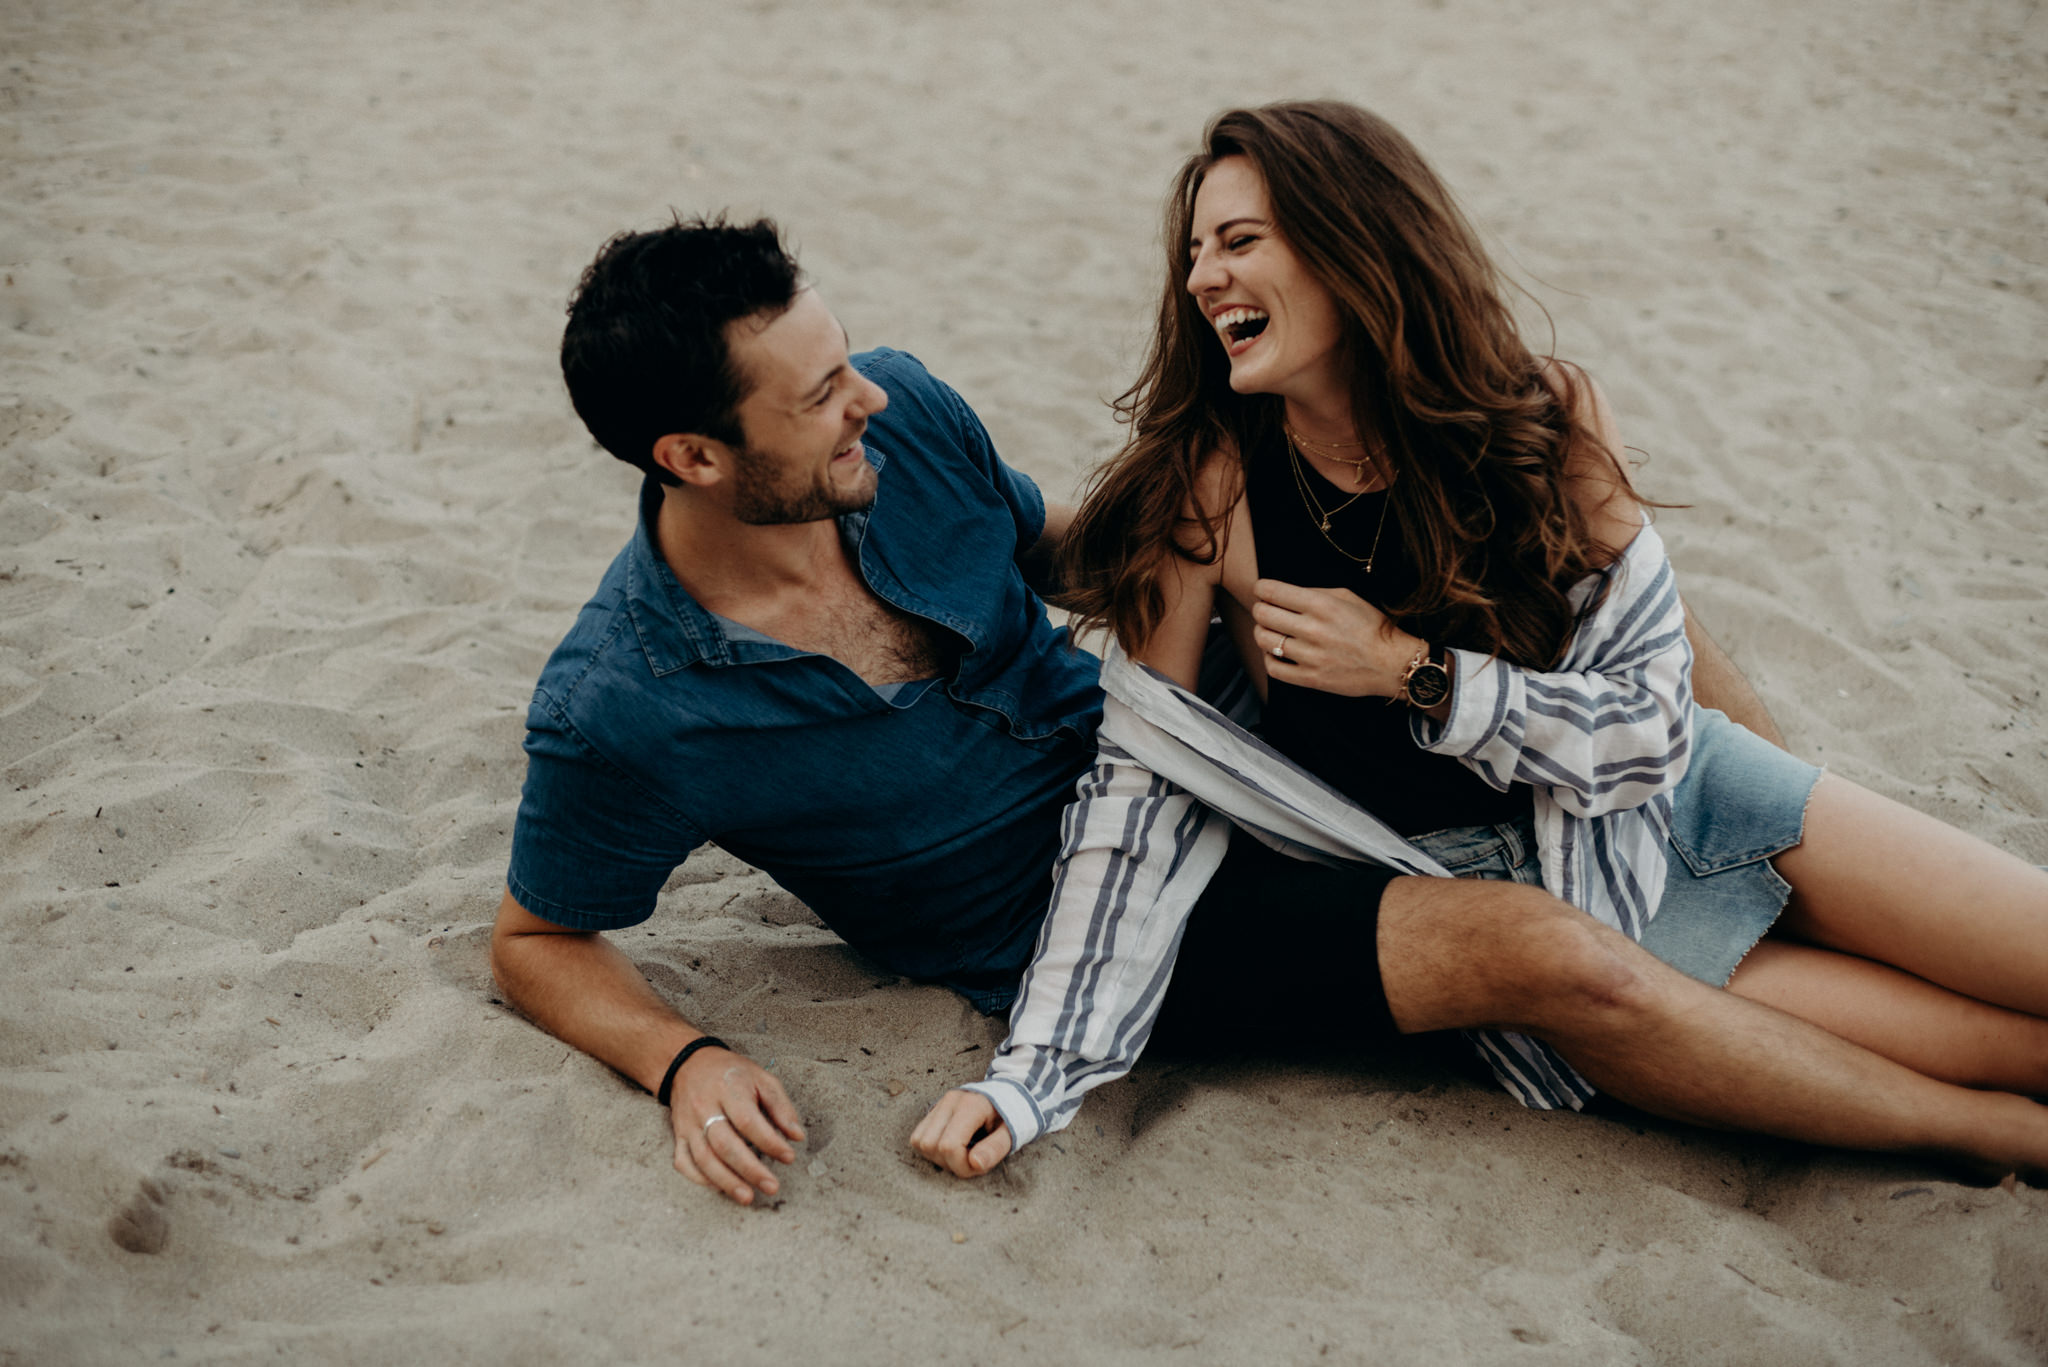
pixel 675 1065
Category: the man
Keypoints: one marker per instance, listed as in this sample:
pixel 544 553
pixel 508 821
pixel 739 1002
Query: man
pixel 822 650
pixel 818 651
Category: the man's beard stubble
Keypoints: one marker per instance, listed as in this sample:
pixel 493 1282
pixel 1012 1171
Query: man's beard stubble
pixel 765 497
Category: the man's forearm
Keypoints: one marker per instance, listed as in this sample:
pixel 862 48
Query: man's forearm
pixel 1040 563
pixel 583 990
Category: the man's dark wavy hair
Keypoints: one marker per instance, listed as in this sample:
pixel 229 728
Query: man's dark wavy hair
pixel 645 350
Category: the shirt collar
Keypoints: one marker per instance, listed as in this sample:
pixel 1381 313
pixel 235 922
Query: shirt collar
pixel 674 630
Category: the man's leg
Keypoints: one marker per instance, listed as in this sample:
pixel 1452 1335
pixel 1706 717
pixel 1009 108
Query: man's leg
pixel 1460 954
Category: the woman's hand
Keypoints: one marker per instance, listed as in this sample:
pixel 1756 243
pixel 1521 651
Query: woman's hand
pixel 1329 639
pixel 962 1134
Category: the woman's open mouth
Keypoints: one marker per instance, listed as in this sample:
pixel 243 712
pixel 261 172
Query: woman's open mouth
pixel 1239 328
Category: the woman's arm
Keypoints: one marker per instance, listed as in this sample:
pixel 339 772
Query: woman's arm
pixel 1175 646
pixel 1190 588
pixel 1135 853
pixel 1609 729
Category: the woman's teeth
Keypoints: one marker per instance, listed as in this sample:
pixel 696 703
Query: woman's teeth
pixel 1238 324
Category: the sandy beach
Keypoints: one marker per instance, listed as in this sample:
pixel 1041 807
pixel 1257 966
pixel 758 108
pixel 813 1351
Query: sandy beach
pixel 293 507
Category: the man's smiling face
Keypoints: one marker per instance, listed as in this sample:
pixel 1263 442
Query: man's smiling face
pixel 800 458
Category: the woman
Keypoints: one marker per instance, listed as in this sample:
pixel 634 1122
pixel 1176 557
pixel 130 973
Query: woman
pixel 1440 582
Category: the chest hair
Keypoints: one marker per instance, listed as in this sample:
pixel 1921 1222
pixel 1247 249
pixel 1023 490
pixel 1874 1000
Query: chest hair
pixel 870 637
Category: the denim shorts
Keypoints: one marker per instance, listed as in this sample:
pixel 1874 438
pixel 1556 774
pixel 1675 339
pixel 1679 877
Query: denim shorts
pixel 1742 801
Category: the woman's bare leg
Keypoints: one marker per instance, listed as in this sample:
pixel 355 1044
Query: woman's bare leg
pixel 1466 953
pixel 1884 882
pixel 1908 1020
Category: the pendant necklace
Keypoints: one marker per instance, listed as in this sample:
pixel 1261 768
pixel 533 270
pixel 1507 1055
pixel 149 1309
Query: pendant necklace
pixel 1357 466
pixel 1323 515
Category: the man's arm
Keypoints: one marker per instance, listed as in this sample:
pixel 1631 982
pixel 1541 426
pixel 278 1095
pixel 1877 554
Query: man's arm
pixel 1717 683
pixel 580 988
pixel 1040 564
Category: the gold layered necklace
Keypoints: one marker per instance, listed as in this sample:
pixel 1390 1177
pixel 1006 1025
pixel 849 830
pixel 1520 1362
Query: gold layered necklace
pixel 1358 466
pixel 1304 478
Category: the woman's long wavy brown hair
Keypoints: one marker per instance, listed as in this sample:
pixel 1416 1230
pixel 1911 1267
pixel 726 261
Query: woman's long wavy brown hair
pixel 1478 439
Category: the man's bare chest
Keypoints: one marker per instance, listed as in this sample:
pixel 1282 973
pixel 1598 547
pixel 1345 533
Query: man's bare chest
pixel 870 637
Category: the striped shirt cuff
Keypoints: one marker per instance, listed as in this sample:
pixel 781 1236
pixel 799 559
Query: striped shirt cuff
pixel 1479 705
pixel 1015 1105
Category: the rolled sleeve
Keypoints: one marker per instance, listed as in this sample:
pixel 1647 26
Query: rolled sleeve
pixel 1014 1103
pixel 1611 729
pixel 591 849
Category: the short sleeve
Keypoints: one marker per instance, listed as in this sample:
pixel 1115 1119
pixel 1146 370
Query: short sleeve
pixel 1017 490
pixel 908 382
pixel 591 848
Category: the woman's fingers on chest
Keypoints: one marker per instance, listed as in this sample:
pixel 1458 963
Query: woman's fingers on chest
pixel 1275 618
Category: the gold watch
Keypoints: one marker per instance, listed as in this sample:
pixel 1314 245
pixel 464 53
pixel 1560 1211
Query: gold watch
pixel 1426 682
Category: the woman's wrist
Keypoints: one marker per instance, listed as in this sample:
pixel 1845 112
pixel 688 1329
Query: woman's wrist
pixel 1402 650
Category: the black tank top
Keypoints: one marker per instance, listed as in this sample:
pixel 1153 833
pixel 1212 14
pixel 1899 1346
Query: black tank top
pixel 1360 746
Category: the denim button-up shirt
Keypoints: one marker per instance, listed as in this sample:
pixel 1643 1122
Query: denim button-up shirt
pixel 921 826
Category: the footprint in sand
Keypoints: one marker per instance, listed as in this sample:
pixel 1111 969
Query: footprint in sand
pixel 141 1226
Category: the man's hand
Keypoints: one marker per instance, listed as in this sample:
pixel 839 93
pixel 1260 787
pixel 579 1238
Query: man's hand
pixel 727 1110
pixel 948 1132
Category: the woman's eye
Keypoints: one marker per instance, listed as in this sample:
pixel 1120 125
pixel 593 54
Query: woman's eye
pixel 1238 244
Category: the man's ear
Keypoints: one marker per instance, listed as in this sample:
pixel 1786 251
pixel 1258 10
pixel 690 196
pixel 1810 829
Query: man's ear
pixel 692 458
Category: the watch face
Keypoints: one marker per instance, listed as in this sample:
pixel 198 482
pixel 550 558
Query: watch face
pixel 1429 685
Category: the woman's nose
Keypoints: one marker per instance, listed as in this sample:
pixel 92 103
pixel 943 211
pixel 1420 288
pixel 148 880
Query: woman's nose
pixel 1206 274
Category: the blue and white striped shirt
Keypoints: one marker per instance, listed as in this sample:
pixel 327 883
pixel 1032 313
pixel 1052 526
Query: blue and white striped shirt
pixel 1602 740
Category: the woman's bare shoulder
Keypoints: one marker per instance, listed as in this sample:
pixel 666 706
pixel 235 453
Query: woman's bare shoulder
pixel 1596 469
pixel 1214 506
pixel 1188 583
pixel 1219 481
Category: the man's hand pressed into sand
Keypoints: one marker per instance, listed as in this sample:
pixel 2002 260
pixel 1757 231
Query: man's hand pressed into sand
pixel 949 1132
pixel 758 1119
pixel 582 989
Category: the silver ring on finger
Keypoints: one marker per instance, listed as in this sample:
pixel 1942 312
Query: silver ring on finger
pixel 706 1131
pixel 1280 651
